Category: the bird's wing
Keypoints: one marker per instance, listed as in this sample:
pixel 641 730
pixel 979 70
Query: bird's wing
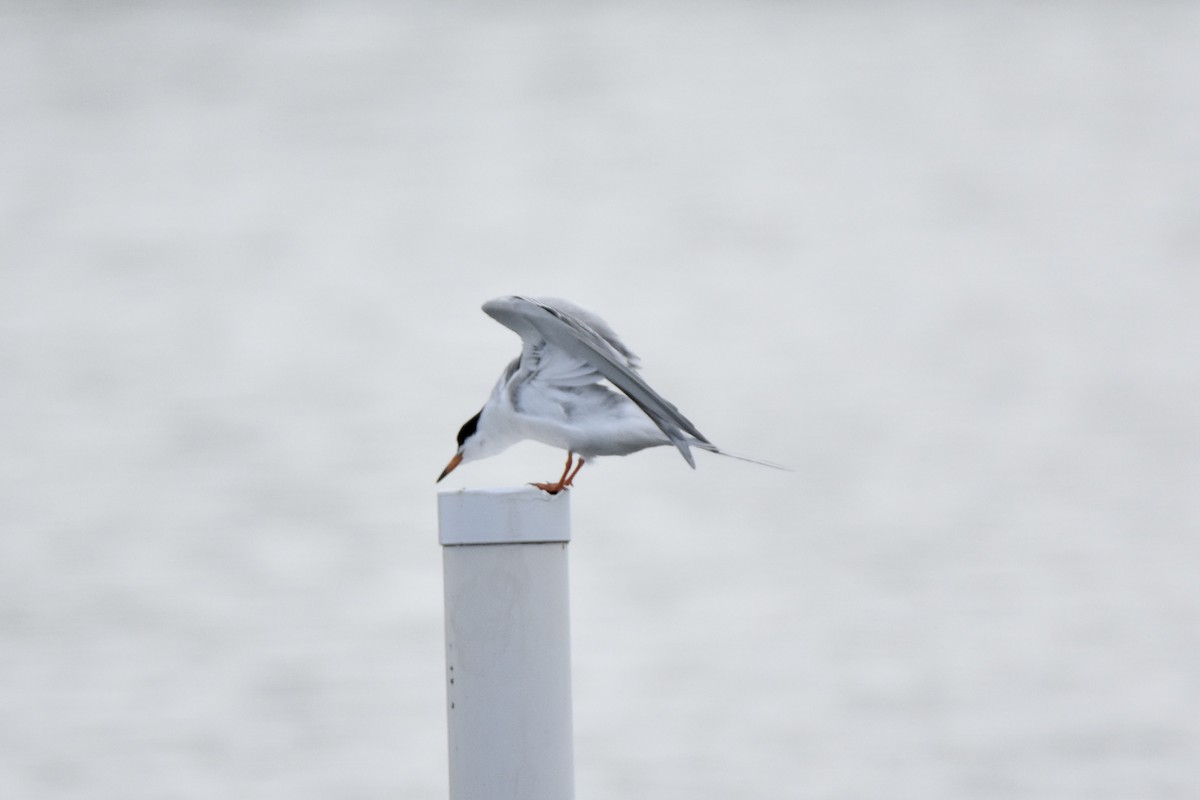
pixel 574 342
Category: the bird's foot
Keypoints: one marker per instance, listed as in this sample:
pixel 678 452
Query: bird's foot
pixel 551 488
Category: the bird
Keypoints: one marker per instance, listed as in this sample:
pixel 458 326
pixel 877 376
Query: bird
pixel 575 386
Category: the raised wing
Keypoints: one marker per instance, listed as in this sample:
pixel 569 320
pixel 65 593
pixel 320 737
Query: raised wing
pixel 591 345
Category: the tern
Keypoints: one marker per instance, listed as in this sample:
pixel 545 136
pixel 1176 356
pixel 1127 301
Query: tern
pixel 575 386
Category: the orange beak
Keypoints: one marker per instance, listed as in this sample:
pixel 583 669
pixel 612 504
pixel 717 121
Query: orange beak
pixel 454 462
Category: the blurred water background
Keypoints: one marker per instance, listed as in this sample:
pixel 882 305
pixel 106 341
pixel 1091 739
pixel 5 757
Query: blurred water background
pixel 940 258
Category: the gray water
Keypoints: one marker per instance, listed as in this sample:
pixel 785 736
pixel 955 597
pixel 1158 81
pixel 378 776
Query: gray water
pixel 942 259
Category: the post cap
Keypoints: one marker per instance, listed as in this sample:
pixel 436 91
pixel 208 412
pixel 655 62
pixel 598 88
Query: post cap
pixel 503 516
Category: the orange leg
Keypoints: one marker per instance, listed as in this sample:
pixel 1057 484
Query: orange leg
pixel 578 467
pixel 564 481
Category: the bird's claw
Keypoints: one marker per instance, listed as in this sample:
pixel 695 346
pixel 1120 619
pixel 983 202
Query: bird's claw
pixel 550 488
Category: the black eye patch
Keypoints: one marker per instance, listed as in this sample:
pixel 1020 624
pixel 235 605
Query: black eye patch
pixel 468 428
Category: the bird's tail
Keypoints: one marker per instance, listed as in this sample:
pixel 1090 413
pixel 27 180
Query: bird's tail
pixel 712 448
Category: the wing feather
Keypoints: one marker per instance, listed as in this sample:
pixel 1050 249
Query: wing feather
pixel 590 343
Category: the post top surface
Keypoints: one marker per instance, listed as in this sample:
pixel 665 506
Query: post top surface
pixel 511 515
pixel 504 490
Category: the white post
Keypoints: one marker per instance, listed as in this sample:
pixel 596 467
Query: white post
pixel 508 649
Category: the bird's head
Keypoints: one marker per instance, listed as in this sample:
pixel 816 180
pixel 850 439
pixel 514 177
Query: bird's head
pixel 473 444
